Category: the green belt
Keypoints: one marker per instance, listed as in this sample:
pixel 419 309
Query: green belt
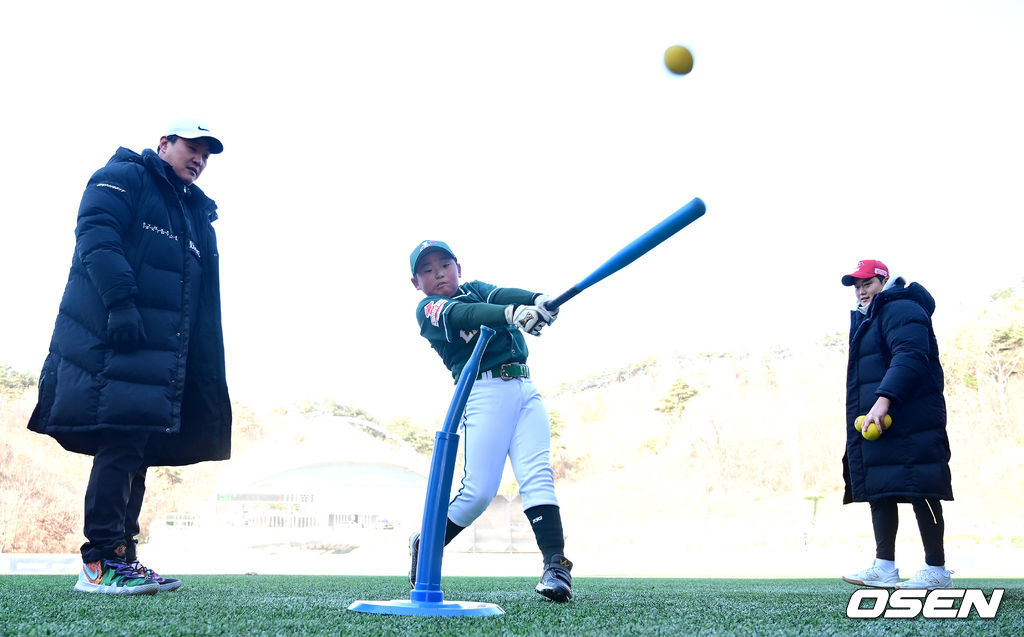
pixel 507 371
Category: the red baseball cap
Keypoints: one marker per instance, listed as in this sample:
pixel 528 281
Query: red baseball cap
pixel 867 269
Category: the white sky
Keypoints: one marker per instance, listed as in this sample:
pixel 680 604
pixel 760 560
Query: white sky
pixel 537 138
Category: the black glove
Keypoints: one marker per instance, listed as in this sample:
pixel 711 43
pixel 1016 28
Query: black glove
pixel 124 326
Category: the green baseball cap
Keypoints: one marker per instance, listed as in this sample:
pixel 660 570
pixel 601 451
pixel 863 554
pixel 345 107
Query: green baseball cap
pixel 428 246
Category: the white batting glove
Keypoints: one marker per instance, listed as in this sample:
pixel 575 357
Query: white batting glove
pixel 546 315
pixel 525 317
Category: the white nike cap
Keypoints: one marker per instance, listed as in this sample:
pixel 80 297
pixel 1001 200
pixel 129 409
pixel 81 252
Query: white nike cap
pixel 190 128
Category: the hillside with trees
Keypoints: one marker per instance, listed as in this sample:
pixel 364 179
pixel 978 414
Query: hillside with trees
pixel 711 445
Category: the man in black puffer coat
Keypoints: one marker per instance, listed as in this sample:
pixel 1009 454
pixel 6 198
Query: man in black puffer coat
pixel 894 371
pixel 135 372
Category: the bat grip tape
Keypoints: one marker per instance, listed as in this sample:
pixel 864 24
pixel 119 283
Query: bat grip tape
pixel 555 303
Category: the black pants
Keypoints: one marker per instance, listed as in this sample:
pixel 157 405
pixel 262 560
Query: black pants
pixel 885 519
pixel 113 499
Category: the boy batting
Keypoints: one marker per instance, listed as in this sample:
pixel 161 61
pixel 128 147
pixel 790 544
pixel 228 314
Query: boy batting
pixel 505 416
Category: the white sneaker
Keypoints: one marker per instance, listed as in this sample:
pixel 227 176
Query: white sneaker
pixel 929 578
pixel 874 576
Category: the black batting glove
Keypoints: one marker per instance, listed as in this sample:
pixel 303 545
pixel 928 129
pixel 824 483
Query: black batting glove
pixel 124 326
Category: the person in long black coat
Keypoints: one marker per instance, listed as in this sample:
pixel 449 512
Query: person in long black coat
pixel 894 371
pixel 135 372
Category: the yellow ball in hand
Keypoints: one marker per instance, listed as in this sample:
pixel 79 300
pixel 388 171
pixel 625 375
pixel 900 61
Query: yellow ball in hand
pixel 678 59
pixel 872 432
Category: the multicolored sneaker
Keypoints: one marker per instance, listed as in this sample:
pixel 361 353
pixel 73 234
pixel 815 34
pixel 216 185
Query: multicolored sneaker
pixel 112 577
pixel 167 584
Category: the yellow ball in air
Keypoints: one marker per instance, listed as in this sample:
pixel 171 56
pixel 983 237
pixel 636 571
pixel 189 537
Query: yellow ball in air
pixel 678 59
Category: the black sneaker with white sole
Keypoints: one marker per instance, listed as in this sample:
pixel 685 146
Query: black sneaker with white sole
pixel 556 581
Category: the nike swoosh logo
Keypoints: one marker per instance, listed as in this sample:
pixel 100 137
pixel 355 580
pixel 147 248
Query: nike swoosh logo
pixel 203 129
pixel 91 575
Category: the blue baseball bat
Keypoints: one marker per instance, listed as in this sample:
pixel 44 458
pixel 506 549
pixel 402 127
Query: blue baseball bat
pixel 639 247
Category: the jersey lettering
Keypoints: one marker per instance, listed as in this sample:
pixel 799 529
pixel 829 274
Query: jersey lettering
pixel 467 336
pixel 432 311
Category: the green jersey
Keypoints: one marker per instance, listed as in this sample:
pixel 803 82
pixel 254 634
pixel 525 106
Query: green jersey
pixel 452 325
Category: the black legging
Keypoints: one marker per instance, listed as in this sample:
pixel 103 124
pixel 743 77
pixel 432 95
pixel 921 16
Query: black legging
pixel 885 519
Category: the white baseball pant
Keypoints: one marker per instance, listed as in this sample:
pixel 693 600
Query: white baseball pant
pixel 503 418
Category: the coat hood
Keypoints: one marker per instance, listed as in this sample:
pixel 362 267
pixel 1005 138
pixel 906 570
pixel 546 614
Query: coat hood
pixel 897 290
pixel 150 158
pixel 123 154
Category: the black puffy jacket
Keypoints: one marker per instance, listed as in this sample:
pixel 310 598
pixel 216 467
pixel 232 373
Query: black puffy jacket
pixel 132 241
pixel 893 353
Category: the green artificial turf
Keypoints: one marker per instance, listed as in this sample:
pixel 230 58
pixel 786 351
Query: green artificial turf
pixel 308 605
